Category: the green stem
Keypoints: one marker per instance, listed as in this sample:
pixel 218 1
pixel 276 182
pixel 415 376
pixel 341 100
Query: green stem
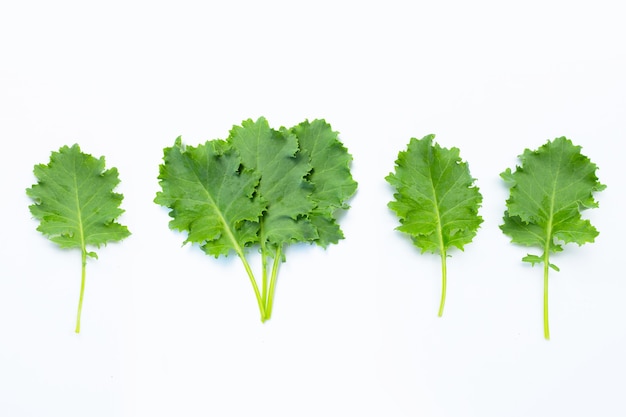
pixel 263 266
pixel 443 282
pixel 272 289
pixel 264 274
pixel 546 261
pixel 255 287
pixel 82 288
pixel 442 250
pixel 83 255
pixel 546 267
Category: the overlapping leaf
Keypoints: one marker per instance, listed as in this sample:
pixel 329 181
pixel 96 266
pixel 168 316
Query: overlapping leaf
pixel 259 186
pixel 210 196
pixel 333 183
pixel 281 166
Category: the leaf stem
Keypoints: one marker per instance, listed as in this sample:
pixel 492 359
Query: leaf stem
pixel 82 288
pixel 255 287
pixel 264 273
pixel 270 299
pixel 83 255
pixel 263 266
pixel 443 282
pixel 546 267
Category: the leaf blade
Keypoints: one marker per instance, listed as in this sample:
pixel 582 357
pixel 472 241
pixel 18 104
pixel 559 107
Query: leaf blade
pixel 435 198
pixel 74 200
pixel 275 157
pixel 548 192
pixel 551 188
pixel 209 197
pixel 330 176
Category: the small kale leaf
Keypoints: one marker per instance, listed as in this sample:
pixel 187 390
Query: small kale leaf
pixel 548 192
pixel 435 199
pixel 75 204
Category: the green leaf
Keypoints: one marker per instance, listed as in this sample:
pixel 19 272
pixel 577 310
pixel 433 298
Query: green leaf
pixel 275 157
pixel 210 197
pixel 74 200
pixel 75 203
pixel 548 193
pixel 332 181
pixel 262 187
pixel 534 259
pixel 435 199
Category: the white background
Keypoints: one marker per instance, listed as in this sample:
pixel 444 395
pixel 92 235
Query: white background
pixel 169 331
